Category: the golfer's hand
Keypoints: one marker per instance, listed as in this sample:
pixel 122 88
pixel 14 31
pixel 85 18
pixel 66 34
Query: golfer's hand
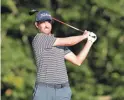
pixel 86 34
pixel 92 37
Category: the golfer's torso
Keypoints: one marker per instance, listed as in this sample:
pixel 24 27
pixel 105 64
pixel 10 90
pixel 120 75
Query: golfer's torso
pixel 51 66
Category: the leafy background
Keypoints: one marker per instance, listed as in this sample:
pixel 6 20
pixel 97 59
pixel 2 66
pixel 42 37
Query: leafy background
pixel 100 77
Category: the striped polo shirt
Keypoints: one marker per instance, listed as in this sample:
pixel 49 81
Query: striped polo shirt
pixel 50 60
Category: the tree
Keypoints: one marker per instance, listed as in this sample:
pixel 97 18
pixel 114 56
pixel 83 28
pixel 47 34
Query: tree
pixel 102 73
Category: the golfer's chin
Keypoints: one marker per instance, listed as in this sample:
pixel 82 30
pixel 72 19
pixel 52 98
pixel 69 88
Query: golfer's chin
pixel 47 32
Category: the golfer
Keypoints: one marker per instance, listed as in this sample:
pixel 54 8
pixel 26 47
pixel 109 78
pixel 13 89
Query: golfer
pixel 51 52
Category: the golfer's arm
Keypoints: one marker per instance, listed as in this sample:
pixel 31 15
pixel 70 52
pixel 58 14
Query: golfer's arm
pixel 69 41
pixel 79 59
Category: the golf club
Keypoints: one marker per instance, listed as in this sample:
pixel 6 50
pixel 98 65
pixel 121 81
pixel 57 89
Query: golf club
pixel 31 12
pixel 67 24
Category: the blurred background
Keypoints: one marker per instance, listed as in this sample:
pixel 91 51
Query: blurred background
pixel 100 77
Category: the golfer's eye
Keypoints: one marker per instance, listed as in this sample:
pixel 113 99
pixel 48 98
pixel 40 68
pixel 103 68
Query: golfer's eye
pixel 40 22
pixel 49 21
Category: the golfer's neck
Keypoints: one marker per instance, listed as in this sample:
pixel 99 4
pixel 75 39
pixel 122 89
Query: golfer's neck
pixel 46 33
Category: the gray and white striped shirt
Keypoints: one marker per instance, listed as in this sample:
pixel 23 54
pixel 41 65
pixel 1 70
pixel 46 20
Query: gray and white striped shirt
pixel 49 59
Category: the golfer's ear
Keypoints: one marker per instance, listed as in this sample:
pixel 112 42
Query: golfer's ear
pixel 36 24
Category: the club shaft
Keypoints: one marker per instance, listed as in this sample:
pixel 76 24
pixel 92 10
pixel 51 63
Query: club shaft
pixel 67 25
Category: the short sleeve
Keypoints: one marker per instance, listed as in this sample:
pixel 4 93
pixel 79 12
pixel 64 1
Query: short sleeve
pixel 66 50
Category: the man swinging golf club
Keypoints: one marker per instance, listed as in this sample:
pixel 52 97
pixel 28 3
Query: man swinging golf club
pixel 50 53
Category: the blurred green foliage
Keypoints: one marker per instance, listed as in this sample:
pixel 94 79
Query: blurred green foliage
pixel 100 77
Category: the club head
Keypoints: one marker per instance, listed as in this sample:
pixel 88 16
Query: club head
pixel 32 11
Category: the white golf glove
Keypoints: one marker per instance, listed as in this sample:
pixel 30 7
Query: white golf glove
pixel 92 37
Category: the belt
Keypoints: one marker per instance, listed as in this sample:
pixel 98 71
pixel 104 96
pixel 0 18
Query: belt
pixel 54 85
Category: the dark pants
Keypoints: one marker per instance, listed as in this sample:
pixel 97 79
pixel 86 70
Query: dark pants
pixel 46 92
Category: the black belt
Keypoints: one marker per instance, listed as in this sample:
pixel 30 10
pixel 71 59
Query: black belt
pixel 54 85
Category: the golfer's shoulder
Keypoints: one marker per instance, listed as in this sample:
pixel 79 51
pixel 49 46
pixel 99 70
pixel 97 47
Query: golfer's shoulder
pixel 39 36
pixel 43 37
pixel 36 38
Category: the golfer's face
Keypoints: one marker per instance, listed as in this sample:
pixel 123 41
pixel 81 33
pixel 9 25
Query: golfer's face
pixel 45 27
